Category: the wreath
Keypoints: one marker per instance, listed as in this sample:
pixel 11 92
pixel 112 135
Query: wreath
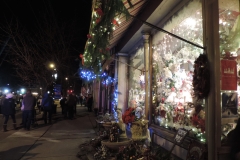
pixel 201 77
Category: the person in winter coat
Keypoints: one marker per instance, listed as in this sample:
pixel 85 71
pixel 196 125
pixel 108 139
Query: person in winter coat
pixel 63 103
pixel 29 102
pixel 3 97
pixel 71 103
pixel 8 109
pixel 47 103
pixel 89 102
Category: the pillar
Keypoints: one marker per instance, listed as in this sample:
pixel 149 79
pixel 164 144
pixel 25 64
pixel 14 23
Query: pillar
pixel 146 69
pixel 96 93
pixel 213 108
pixel 122 80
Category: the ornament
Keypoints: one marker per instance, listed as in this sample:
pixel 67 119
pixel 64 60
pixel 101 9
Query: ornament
pixel 98 20
pixel 115 22
pixel 99 11
pixel 89 36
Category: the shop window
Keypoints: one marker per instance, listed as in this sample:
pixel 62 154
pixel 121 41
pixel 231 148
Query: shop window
pixel 173 104
pixel 136 80
pixel 229 34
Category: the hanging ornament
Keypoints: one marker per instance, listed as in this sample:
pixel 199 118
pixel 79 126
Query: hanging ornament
pixel 142 78
pixel 98 20
pixel 99 11
pixel 82 58
pixel 89 36
pixel 115 22
pixel 142 81
pixel 107 49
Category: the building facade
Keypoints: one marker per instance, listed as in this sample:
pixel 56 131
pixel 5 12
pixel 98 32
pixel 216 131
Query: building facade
pixel 180 65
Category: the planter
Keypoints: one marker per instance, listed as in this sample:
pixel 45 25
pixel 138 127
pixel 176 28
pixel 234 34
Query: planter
pixel 107 126
pixel 139 129
pixel 115 145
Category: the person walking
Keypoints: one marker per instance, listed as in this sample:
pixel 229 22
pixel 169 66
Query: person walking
pixel 22 108
pixel 81 99
pixel 63 103
pixel 8 109
pixel 71 103
pixel 39 102
pixel 3 97
pixel 29 102
pixel 89 102
pixel 47 104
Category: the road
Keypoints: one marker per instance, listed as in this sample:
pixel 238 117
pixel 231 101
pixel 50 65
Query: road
pixel 58 141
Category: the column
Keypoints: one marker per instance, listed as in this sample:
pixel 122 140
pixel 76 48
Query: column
pixel 122 80
pixel 96 93
pixel 146 66
pixel 213 108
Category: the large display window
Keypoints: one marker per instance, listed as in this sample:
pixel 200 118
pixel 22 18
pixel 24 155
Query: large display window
pixel 136 83
pixel 229 34
pixel 174 105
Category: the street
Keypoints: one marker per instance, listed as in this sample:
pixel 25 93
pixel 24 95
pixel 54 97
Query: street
pixel 58 141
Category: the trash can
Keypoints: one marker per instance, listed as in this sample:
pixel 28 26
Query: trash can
pixel 54 109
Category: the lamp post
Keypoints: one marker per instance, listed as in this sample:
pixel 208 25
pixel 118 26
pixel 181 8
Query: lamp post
pixel 52 65
pixel 54 71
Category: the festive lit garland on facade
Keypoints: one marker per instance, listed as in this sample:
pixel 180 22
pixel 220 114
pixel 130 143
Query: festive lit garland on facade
pixel 105 19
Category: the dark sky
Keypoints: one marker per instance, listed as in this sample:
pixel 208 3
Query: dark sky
pixel 27 12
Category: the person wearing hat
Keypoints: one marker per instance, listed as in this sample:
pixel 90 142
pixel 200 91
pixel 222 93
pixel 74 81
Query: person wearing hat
pixel 8 109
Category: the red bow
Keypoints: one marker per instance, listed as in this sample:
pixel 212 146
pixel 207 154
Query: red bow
pixel 81 56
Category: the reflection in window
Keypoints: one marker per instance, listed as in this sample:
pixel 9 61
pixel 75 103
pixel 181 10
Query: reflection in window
pixel 229 40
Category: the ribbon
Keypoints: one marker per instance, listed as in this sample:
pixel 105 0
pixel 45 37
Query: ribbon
pixel 81 56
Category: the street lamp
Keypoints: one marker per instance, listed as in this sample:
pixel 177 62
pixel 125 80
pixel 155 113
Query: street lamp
pixel 52 65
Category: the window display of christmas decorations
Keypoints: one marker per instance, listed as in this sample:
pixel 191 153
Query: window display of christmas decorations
pixel 137 79
pixel 229 36
pixel 177 102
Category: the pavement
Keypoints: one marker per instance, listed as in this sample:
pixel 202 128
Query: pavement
pixel 58 141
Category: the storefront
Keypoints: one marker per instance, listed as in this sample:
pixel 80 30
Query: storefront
pixel 186 77
pixel 174 90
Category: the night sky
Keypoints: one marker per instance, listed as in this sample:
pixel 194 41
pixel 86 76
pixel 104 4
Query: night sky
pixel 27 12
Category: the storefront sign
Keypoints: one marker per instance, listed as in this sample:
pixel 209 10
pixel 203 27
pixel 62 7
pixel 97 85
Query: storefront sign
pixel 229 75
pixel 180 135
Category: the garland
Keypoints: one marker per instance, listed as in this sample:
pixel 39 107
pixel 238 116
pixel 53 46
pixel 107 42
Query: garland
pixel 201 77
pixel 104 20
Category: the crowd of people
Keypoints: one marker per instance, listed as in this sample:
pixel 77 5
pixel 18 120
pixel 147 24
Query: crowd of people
pixel 29 105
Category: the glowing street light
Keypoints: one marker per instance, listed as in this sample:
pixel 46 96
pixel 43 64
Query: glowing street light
pixel 55 75
pixel 52 65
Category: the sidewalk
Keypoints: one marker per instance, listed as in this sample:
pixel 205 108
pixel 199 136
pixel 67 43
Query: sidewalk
pixel 59 141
